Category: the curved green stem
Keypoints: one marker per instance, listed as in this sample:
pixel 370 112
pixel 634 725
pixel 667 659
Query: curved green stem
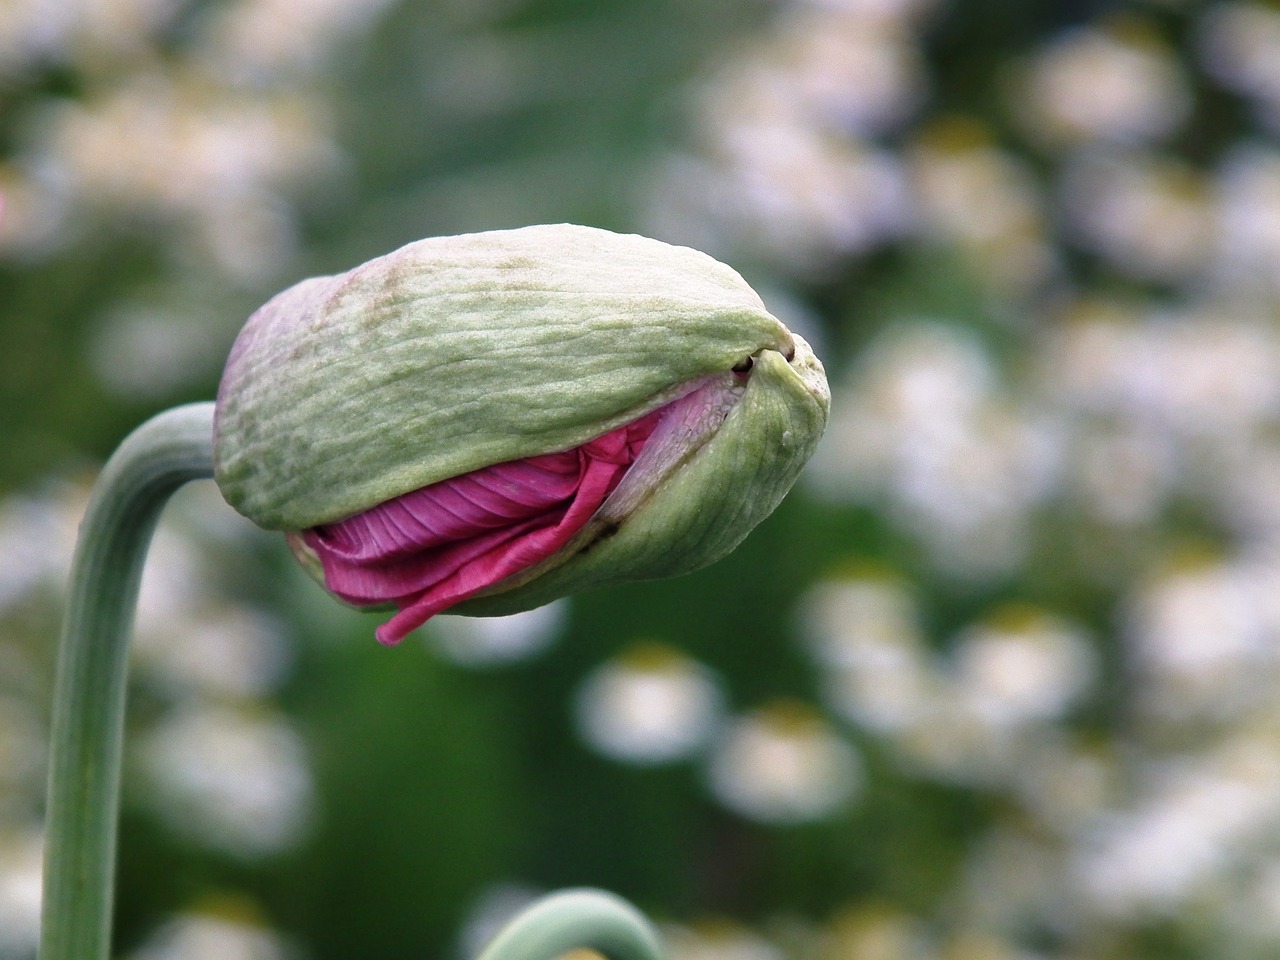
pixel 89 706
pixel 576 919
pixel 89 694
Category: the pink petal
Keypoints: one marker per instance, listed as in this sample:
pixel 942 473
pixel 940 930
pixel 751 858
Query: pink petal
pixel 434 547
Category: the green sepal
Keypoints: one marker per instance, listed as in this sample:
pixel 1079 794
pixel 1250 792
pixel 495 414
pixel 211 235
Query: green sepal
pixel 703 507
pixel 454 353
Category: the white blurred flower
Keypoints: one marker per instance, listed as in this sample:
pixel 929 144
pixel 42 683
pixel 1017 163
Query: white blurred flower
pixel 876 933
pixel 805 197
pixel 1150 216
pixel 1240 47
pixel 822 70
pixel 984 944
pixel 796 196
pixel 1124 472
pixel 229 652
pixel 1216 373
pixel 854 73
pixel 652 704
pixel 888 12
pixel 984 720
pixel 1088 359
pixel 923 428
pixel 783 764
pixel 158 145
pixel 864 632
pixel 21 872
pixel 912 382
pixel 1248 209
pixel 1202 372
pixel 211 935
pixel 33 213
pixel 494 641
pixel 787 166
pixel 257 41
pixel 37 540
pixel 176 585
pixel 210 163
pixel 1251 492
pixel 717 940
pixel 1194 819
pixel 1019 666
pixel 33 31
pixel 236 780
pixel 96 32
pixel 1118 84
pixel 969 496
pixel 844 614
pixel 1204 635
pixel 1064 784
pixel 971 193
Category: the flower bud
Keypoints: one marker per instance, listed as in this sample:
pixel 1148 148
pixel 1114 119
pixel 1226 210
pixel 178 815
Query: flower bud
pixel 498 419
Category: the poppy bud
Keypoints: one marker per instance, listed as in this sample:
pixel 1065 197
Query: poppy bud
pixel 497 419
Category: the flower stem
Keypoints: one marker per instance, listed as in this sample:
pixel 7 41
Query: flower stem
pixel 89 694
pixel 572 920
pixel 89 706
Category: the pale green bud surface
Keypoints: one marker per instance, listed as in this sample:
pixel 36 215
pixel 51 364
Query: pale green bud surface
pixel 703 506
pixel 453 354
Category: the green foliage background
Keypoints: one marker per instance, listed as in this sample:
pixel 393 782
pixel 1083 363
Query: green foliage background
pixel 429 782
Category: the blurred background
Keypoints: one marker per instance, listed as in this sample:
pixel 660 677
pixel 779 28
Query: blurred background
pixel 997 682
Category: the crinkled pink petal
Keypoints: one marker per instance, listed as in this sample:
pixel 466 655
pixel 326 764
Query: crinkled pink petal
pixel 434 547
